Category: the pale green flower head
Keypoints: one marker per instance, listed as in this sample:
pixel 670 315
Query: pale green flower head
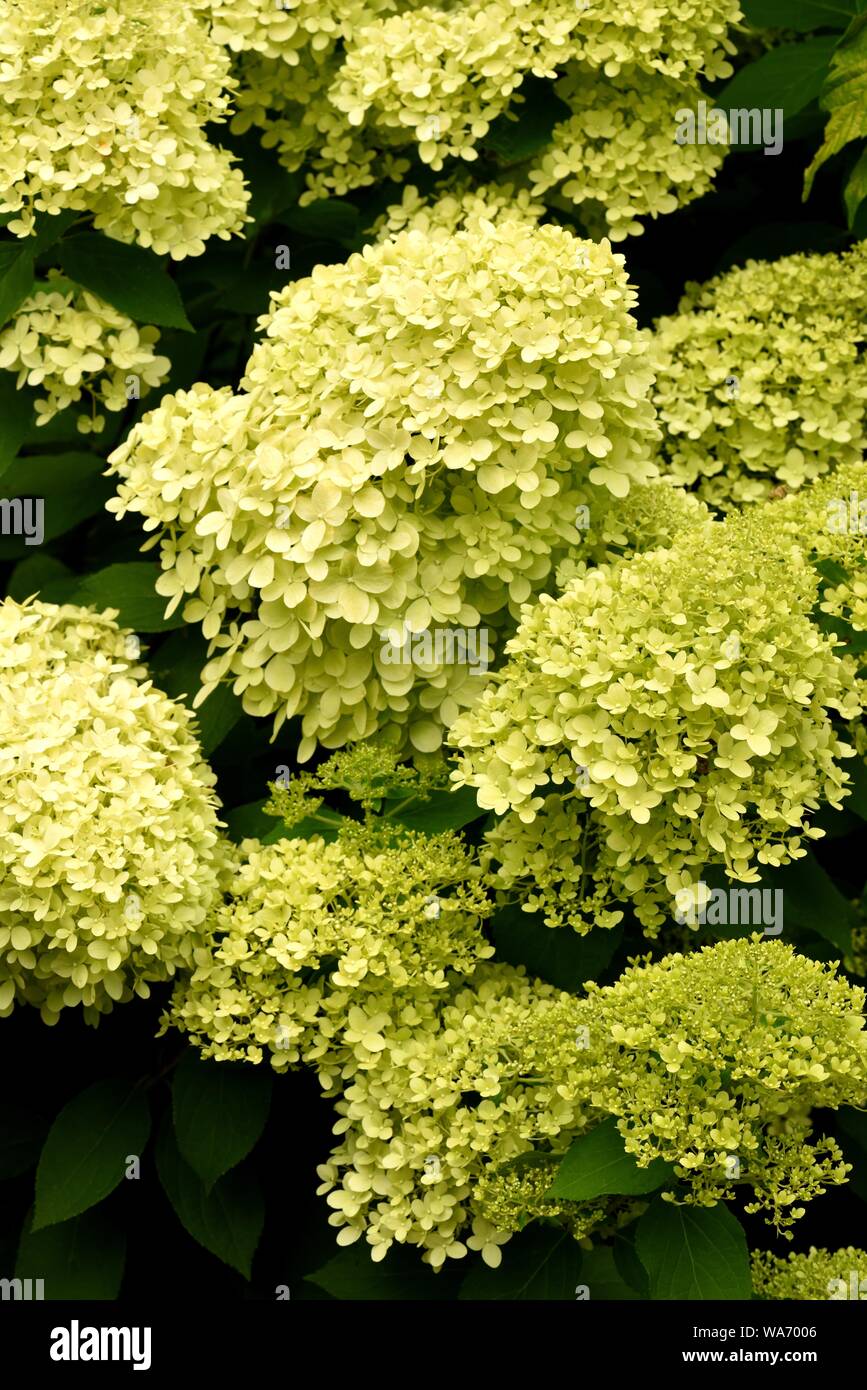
pixel 762 377
pixel 672 710
pixel 714 1060
pixel 615 157
pixel 70 344
pixel 819 1274
pixel 829 520
pixel 313 935
pixel 407 454
pixel 109 844
pixel 104 109
pixel 371 81
pixel 458 1091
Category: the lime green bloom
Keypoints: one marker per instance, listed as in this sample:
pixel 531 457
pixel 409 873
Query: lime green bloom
pixel 714 1060
pixel 616 157
pixel 407 454
pixel 829 520
pixel 515 1194
pixel 673 710
pixel 457 1091
pixel 817 1275
pixel 104 110
pixel 365 959
pixel 72 344
pixel 762 377
pixel 314 941
pixel 347 91
pixel 109 845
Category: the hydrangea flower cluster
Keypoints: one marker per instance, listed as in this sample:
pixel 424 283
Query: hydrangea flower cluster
pixel 455 207
pixel 651 516
pixel 351 957
pixel 104 109
pixel 816 1275
pixel 406 455
pixel 615 157
pixel 72 344
pixel 665 713
pixel 459 1084
pixel 829 519
pixel 762 377
pixel 714 1060
pixel 109 844
pixel 457 1093
pixel 371 80
pixel 316 939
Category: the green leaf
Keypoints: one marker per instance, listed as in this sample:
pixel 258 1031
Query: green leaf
pixel 853 1123
pixel 541 1263
pixel 526 129
pixel 330 218
pixel 443 810
pixel 38 573
pixel 129 588
pixel 555 954
pixel 21 1136
pixel 400 1276
pixel 71 486
pixel 693 1252
pixel 845 97
pixel 855 191
pixel 85 1154
pixel 597 1165
pixel 802 15
pixel 831 571
pixel 227 1220
pixel 220 1110
pixel 272 188
pixel 49 228
pixel 789 77
pixel 80 1259
pixel 605 1283
pixel 129 277
pixel 251 822
pixel 629 1266
pixel 176 667
pixel 16 419
pixel 857 799
pixel 16 277
pixel 812 900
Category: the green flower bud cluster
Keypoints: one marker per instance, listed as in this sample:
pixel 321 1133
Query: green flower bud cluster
pixel 104 110
pixel 512 1196
pixel 71 344
pixel 652 515
pixel 816 1275
pixel 714 1060
pixel 109 846
pixel 682 704
pixel 406 454
pixel 762 378
pixel 370 79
